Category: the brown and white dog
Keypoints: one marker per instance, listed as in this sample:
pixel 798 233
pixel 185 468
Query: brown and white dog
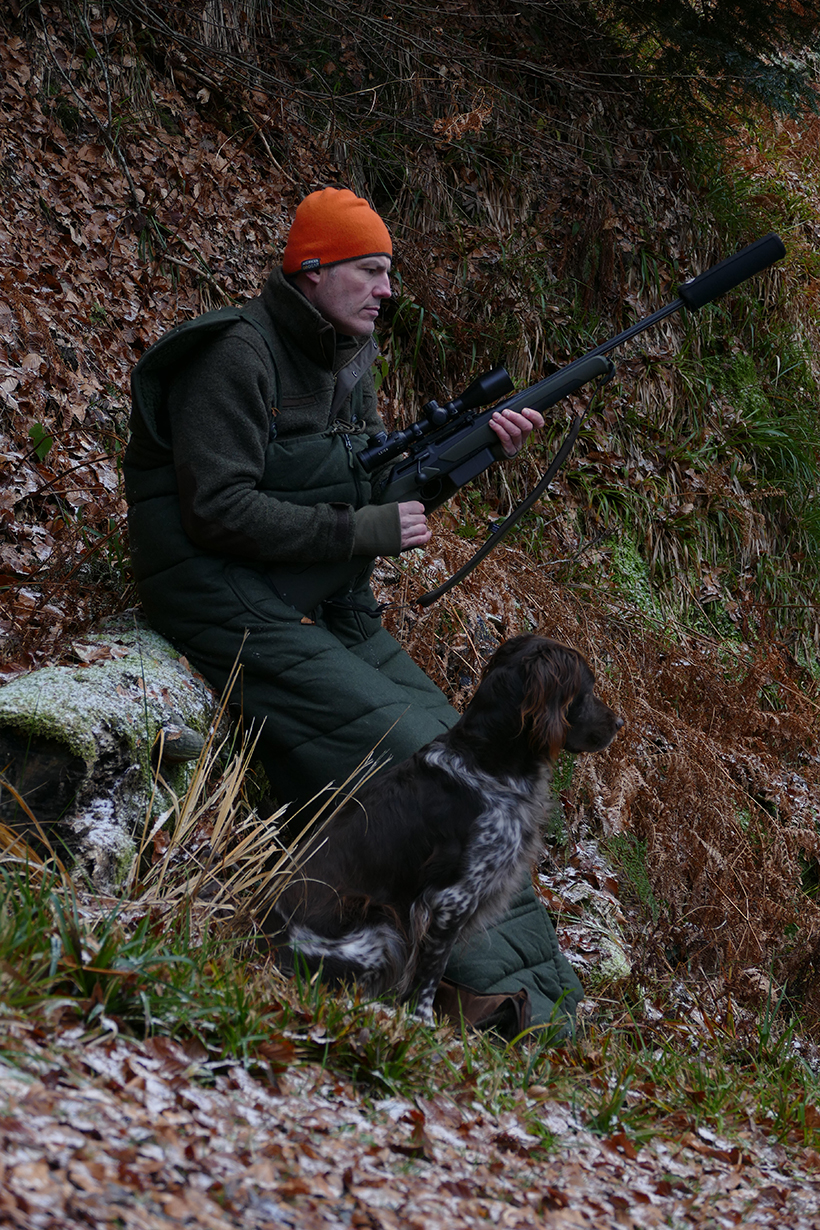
pixel 433 848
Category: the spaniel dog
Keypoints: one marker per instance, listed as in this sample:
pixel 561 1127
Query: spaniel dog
pixel 433 848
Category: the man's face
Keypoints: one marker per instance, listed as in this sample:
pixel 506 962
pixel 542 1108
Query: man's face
pixel 350 294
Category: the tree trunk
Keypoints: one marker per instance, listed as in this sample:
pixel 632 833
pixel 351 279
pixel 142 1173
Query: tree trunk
pixel 79 745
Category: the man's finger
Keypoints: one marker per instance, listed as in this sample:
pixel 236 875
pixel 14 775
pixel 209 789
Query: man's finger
pixel 512 427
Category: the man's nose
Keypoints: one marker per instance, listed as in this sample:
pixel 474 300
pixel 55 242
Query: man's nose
pixel 383 289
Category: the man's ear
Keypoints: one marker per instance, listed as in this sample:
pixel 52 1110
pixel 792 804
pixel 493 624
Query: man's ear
pixel 306 279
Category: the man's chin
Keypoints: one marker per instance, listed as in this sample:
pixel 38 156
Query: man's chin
pixel 353 328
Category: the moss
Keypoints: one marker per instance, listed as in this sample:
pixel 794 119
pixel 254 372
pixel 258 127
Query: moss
pixel 133 693
pixel 107 714
pixel 630 574
pixel 43 705
pixel 613 965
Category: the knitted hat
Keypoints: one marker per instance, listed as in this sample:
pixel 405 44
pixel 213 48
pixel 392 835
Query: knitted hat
pixel 334 225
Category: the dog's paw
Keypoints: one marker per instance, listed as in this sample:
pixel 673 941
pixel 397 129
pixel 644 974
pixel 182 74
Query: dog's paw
pixel 424 1012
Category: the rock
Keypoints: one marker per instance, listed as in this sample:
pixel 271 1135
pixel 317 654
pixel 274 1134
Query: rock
pixel 80 745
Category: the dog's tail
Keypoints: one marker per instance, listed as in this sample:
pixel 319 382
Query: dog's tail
pixel 375 956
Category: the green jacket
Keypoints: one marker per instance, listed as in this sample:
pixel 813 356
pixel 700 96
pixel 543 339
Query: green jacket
pixel 248 479
pixel 228 484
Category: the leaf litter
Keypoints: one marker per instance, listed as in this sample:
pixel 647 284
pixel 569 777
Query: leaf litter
pixel 153 1134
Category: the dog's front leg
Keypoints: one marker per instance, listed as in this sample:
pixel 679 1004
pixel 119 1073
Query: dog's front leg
pixel 433 958
pixel 446 914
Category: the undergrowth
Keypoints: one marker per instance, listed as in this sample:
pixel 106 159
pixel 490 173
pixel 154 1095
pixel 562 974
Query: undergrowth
pixel 630 1076
pixel 531 223
pixel 181 955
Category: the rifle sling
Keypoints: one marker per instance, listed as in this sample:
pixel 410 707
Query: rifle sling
pixel 517 513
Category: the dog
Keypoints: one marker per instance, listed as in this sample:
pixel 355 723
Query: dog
pixel 433 848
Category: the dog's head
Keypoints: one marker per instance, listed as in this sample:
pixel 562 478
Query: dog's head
pixel 552 688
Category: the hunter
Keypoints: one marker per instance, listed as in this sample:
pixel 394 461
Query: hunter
pixel 241 475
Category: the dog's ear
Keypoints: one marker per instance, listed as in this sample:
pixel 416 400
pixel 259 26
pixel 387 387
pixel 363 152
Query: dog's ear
pixel 554 675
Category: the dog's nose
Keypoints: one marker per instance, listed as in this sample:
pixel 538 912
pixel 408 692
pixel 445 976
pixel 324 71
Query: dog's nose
pixel 619 722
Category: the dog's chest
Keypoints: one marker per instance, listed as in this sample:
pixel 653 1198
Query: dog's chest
pixel 505 833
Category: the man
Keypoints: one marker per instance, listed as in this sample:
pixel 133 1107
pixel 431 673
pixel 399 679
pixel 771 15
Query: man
pixel 259 475
pixel 252 473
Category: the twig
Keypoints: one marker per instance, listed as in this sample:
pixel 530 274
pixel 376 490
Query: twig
pixel 104 129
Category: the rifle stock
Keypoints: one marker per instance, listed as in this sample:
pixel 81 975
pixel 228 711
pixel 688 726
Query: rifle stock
pixel 460 451
pixel 457 453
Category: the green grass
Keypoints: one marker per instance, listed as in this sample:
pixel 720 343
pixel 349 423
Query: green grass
pixel 629 856
pixel 157 973
pixel 172 973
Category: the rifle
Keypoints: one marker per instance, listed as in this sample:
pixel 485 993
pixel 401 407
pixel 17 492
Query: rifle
pixel 452 444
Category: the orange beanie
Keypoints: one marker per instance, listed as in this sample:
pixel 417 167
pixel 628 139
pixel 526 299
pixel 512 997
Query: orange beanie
pixel 334 225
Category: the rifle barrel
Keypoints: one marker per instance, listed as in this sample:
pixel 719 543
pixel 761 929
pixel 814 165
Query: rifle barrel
pixel 729 273
pixel 703 289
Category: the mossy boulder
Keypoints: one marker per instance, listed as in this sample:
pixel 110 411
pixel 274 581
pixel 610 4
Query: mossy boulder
pixel 78 745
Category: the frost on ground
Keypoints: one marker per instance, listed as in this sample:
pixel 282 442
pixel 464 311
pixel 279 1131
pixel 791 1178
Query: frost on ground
pixel 152 1135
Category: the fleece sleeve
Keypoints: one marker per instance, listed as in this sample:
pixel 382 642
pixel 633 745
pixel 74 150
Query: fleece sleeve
pixel 377 530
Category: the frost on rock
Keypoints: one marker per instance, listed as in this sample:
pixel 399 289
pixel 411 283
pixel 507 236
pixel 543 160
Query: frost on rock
pixel 75 743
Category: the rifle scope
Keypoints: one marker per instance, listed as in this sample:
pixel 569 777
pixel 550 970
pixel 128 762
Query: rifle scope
pixel 489 387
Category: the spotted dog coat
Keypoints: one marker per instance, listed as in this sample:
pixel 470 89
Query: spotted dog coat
pixel 433 848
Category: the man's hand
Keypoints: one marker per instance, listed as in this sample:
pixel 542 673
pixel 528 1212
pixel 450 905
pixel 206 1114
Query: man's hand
pixel 414 529
pixel 512 428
